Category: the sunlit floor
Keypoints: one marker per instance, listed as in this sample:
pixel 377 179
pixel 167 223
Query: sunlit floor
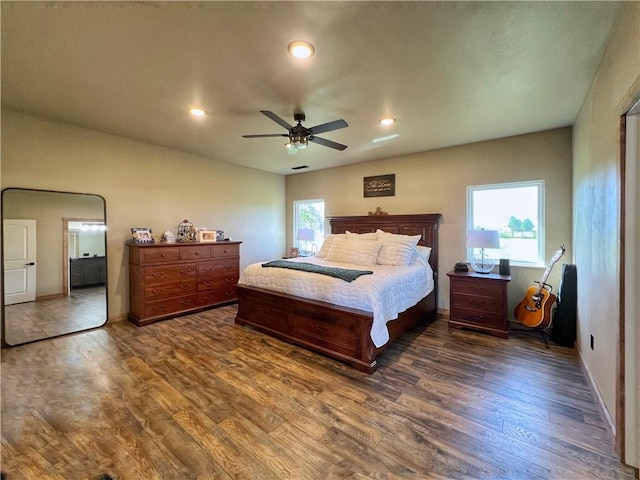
pixel 84 308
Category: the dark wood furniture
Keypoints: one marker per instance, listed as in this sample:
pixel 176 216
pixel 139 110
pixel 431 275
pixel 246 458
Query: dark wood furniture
pixel 339 332
pixel 87 271
pixel 171 279
pixel 479 301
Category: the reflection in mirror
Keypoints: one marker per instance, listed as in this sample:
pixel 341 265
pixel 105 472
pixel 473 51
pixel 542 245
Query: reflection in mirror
pixel 54 264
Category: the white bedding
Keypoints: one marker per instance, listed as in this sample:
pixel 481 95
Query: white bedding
pixel 389 291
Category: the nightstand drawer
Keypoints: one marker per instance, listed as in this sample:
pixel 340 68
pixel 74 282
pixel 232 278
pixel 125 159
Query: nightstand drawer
pixel 476 302
pixel 476 317
pixel 474 287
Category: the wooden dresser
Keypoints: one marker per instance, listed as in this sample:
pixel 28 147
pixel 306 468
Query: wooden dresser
pixel 171 279
pixel 479 301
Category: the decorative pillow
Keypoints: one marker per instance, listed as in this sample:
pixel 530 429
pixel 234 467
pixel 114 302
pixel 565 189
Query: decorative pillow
pixel 361 236
pixel 354 251
pixel 396 253
pixel 326 245
pixel 383 236
pixel 425 252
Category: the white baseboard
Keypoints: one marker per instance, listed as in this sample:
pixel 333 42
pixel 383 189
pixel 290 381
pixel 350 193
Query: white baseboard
pixel 594 388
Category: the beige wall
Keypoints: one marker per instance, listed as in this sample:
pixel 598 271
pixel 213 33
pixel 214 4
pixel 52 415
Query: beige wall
pixel 436 181
pixel 144 185
pixel 596 199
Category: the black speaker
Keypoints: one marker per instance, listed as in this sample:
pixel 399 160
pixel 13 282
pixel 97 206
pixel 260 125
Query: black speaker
pixel 565 314
pixel 505 268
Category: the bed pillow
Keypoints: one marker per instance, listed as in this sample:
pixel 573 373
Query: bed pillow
pixel 358 252
pixel 326 245
pixel 398 254
pixel 362 236
pixel 383 236
pixel 425 252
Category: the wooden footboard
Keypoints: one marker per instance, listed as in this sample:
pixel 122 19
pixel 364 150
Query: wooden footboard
pixel 338 332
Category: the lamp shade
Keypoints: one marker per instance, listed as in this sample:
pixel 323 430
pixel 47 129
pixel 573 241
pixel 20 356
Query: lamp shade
pixel 306 234
pixel 483 239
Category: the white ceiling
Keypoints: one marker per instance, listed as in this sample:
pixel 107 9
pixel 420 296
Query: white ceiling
pixel 451 72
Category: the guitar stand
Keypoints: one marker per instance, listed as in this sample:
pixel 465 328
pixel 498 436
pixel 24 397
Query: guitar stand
pixel 541 331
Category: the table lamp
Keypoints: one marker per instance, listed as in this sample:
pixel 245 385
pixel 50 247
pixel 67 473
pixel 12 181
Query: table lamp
pixel 482 262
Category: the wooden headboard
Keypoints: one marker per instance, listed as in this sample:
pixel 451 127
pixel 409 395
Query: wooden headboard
pixel 425 225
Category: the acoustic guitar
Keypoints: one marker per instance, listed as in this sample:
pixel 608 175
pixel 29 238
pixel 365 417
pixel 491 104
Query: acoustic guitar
pixel 535 308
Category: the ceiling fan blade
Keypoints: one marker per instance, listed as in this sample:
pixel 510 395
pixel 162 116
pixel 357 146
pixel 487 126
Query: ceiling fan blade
pixel 327 143
pixel 276 119
pixel 328 127
pixel 266 135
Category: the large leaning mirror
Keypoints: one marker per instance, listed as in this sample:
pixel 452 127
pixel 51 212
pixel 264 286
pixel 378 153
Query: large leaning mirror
pixel 54 264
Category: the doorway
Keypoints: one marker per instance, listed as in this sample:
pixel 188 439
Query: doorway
pixel 628 390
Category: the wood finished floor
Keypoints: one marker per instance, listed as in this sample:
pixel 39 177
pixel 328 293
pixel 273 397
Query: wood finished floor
pixel 200 397
pixel 84 308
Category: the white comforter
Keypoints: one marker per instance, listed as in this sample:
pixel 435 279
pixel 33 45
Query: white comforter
pixel 388 292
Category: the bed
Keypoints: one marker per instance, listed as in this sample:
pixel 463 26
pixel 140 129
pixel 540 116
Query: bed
pixel 341 332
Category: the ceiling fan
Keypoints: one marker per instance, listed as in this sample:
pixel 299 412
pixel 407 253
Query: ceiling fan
pixel 299 135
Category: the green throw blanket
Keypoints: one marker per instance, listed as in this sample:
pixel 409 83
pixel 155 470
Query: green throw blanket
pixel 341 273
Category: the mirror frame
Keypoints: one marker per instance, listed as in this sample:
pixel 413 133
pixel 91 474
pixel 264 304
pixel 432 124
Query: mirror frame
pixel 3 339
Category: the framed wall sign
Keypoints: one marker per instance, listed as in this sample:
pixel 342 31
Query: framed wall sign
pixel 380 186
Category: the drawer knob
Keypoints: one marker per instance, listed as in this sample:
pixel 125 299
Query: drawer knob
pixel 321 328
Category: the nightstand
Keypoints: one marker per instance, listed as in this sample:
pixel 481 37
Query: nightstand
pixel 479 301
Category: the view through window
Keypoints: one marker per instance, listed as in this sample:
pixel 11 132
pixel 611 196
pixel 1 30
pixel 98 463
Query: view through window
pixel 308 225
pixel 516 211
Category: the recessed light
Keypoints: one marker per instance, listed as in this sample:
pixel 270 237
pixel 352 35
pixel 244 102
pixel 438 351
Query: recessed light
pixel 197 111
pixel 301 49
pixel 386 121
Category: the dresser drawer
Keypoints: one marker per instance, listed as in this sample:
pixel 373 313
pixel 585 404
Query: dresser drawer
pixel 159 255
pixel 474 287
pixel 225 250
pixel 195 253
pixel 476 302
pixel 169 306
pixel 167 290
pixel 220 281
pixel 220 295
pixel 159 275
pixel 218 267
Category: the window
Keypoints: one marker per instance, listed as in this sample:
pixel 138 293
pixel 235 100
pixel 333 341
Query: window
pixel 516 210
pixel 308 225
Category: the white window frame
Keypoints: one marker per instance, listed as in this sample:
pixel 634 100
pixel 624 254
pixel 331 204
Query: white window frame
pixel 296 219
pixel 539 184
